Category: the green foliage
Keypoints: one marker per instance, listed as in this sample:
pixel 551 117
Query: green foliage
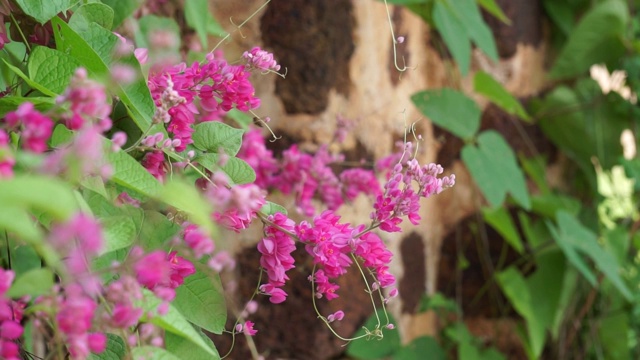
pixel 128 173
pixel 484 84
pixel 122 9
pixel 366 349
pixel 115 350
pixel 575 240
pixel 238 171
pixel 201 301
pixel 94 49
pixel 449 109
pixel 198 17
pixel 91 12
pixel 42 59
pixel 536 297
pixel 597 38
pixel 493 159
pixel 215 137
pixel 459 22
pixel 185 197
pixel 500 219
pixel 33 283
pixel 43 11
pixel 174 322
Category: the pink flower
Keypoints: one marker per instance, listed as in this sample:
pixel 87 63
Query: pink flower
pixel 88 101
pixel 180 269
pixel 154 163
pixel 276 248
pixel 260 59
pixel 197 241
pixel 36 128
pixel 337 316
pixel 97 342
pixel 153 269
pixel 6 278
pixel 248 329
pixel 125 316
pixel 10 330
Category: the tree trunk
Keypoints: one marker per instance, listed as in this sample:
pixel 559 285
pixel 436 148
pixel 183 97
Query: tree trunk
pixel 339 60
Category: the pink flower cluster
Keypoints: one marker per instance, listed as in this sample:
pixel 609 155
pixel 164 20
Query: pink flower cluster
pixel 400 198
pixel 160 272
pixel 79 240
pixel 276 247
pixel 10 317
pixel 236 206
pixel 305 176
pixel 260 59
pixel 88 101
pixel 74 317
pixel 34 127
pixel 331 245
pixel 217 84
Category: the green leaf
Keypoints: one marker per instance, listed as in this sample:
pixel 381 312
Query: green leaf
pixel 30 82
pixel 11 103
pixel 23 259
pixel 536 298
pixel 597 38
pixel 270 208
pixel 156 231
pixel 200 299
pixel 199 18
pixel 374 348
pixel 486 85
pixel 477 30
pixel 35 282
pixel 152 352
pixel 494 168
pixel 419 348
pixel 186 198
pixel 494 9
pixel 535 167
pixel 500 220
pixel 575 239
pixel 213 136
pixel 241 118
pixel 613 331
pixel 548 205
pixel 115 350
pixel 130 174
pixel 173 322
pixel 180 346
pixel 238 171
pixel 50 195
pixel 450 110
pixel 14 219
pixel 51 68
pixel 454 35
pixel 119 232
pixel 94 49
pixel 93 12
pixel 122 9
pixel 43 11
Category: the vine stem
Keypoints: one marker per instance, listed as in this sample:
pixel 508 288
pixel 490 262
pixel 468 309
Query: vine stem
pixel 239 26
pixel 395 42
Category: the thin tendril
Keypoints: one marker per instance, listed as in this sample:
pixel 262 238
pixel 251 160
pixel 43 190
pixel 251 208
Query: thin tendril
pixel 395 42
